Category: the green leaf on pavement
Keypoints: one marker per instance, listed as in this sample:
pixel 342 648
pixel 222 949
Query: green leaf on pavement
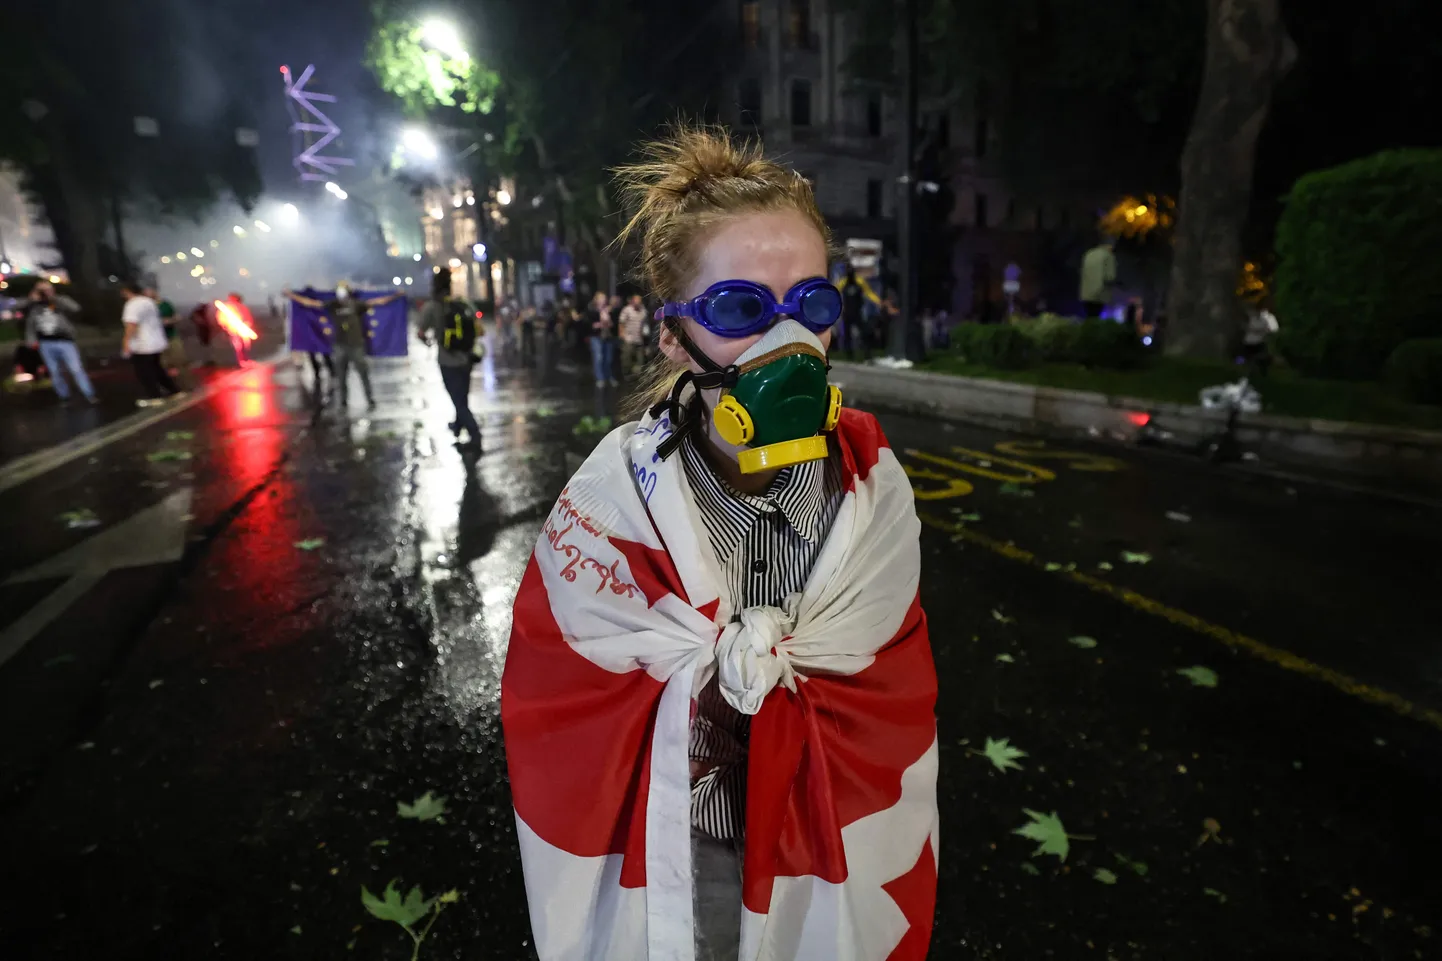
pixel 450 897
pixel 1082 641
pixel 380 843
pixel 80 519
pixel 1213 892
pixel 427 807
pixel 1006 658
pixel 392 907
pixel 1015 489
pixel 179 434
pixel 1001 618
pixel 1132 557
pixel 1104 566
pixel 1052 566
pixel 591 425
pixel 1199 676
pixel 1048 830
pixel 1075 523
pixel 310 543
pixel 295 930
pixel 970 518
pixel 1139 867
pixel 1030 868
pixel 161 455
pixel 1002 755
pixel 1104 876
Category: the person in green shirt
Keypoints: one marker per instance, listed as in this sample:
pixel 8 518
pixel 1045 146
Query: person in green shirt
pixel 173 359
pixel 1098 276
pixel 349 316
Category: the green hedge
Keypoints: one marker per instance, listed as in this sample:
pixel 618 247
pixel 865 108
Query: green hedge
pixel 1358 270
pixel 1091 343
pixel 994 345
pixel 1414 370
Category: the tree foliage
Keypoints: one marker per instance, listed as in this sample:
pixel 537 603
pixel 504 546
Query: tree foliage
pixel 424 78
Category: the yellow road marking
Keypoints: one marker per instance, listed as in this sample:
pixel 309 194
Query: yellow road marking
pixel 1031 476
pixel 1075 459
pixel 955 486
pixel 1284 659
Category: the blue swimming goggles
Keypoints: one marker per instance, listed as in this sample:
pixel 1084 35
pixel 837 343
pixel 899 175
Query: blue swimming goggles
pixel 739 308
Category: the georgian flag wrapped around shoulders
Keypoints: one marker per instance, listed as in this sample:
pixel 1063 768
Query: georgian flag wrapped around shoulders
pixel 618 624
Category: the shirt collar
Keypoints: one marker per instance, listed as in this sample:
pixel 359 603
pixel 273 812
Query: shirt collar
pixel 798 491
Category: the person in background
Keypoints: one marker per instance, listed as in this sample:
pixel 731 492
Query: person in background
pixel 174 358
pixel 349 315
pixel 452 322
pixel 633 336
pixel 855 292
pixel 200 316
pixel 602 328
pixel 527 330
pixel 49 329
pixel 1098 276
pixel 144 343
pixel 239 343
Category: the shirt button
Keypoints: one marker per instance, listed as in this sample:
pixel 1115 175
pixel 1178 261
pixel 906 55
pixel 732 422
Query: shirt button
pixel 758 566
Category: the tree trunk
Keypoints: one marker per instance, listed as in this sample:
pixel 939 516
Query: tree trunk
pixel 1248 52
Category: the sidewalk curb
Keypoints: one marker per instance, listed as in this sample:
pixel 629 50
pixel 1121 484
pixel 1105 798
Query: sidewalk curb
pixel 40 462
pixel 1397 456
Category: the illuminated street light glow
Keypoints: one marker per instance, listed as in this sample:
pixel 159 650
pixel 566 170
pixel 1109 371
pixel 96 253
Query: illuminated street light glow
pixel 418 142
pixel 238 230
pixel 290 213
pixel 196 251
pixel 54 278
pixel 335 189
pixel 503 196
pixel 455 262
pixel 409 281
pixel 479 252
pixel 4 268
pixel 435 213
pixel 416 258
pixel 395 281
pixel 180 255
pixel 214 244
pixel 262 226
pixel 470 200
pixel 165 260
pixel 444 37
pixel 456 201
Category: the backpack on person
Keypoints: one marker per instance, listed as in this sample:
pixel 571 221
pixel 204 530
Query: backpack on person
pixel 460 332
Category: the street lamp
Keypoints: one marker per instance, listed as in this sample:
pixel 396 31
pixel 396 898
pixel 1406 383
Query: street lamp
pixel 503 196
pixel 238 230
pixel 261 225
pixel 290 213
pixel 418 142
pixel 335 189
pixel 196 251
pixel 444 37
pixel 416 258
pixel 395 281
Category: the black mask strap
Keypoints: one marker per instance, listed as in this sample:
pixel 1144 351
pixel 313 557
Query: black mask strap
pixel 713 376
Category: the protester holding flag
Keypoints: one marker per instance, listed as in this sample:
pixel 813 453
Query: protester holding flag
pixel 350 315
pixel 719 694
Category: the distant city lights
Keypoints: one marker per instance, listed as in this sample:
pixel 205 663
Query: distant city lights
pixel 435 213
pixel 416 258
pixel 395 281
pixel 444 37
pixel 261 225
pixel 479 252
pixel 290 213
pixel 4 268
pixel 503 196
pixel 165 260
pixel 238 230
pixel 214 244
pixel 470 200
pixel 180 255
pixel 335 190
pixel 197 252
pixel 455 262
pixel 409 281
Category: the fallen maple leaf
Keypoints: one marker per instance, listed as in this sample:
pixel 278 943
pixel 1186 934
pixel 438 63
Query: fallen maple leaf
pixel 1006 658
pixel 179 435
pixel 1213 892
pixel 1104 876
pixel 965 518
pixel 1131 557
pixel 1048 830
pixel 1199 676
pixel 392 907
pixel 161 455
pixel 1139 867
pixel 1104 566
pixel 1002 618
pixel 1082 641
pixel 426 808
pixel 1002 755
pixel 1016 490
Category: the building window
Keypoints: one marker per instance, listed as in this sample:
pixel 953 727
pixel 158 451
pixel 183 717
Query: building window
pixel 464 229
pixel 980 218
pixel 873 117
pixel 798 24
pixel 981 136
pixel 751 23
pixel 873 199
pixel 801 103
pixel 434 242
pixel 749 100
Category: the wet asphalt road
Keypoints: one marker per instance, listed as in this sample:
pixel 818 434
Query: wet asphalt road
pixel 203 745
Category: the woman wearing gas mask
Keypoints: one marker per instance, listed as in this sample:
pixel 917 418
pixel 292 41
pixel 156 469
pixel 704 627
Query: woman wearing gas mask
pixel 719 694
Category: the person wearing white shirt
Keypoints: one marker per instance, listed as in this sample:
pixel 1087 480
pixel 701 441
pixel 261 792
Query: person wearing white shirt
pixel 144 343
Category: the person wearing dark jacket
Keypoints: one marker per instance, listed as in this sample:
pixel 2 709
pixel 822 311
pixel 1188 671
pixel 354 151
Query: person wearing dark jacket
pixel 48 327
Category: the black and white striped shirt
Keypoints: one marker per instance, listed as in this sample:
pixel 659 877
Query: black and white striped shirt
pixel 766 545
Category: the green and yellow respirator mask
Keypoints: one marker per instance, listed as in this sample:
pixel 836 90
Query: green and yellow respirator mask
pixel 773 406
